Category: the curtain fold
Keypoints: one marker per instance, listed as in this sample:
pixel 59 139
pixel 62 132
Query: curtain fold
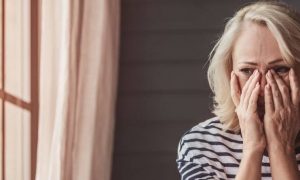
pixel 78 84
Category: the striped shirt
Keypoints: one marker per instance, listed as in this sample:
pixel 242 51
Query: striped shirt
pixel 207 152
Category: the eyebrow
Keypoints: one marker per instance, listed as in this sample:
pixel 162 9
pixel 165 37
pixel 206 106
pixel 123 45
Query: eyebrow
pixel 253 63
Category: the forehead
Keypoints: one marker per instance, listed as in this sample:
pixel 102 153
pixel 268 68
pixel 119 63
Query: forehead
pixel 256 44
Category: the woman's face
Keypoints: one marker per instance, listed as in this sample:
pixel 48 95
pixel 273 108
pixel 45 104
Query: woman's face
pixel 257 49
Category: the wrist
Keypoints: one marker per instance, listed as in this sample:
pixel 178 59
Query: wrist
pixel 250 166
pixel 283 162
pixel 254 149
pixel 281 149
pixel 254 154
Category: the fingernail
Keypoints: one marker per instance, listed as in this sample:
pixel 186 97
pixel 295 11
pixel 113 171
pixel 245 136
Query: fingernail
pixel 256 72
pixel 273 72
pixel 268 74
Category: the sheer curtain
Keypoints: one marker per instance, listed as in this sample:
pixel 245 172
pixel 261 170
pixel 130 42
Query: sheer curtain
pixel 79 42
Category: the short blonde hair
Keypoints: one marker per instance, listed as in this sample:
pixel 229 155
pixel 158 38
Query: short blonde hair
pixel 284 24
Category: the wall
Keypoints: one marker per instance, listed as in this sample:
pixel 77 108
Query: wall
pixel 163 90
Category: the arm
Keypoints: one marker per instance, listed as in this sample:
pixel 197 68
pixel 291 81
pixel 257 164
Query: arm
pixel 194 171
pixel 254 141
pixel 282 125
pixel 250 167
pixel 191 170
pixel 283 163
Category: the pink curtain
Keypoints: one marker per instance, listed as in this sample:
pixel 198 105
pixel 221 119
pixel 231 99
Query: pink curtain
pixel 78 81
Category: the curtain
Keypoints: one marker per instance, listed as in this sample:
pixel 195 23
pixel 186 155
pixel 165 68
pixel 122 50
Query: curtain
pixel 79 43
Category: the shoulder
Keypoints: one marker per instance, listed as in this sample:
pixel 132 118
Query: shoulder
pixel 211 126
pixel 197 132
pixel 206 149
pixel 205 137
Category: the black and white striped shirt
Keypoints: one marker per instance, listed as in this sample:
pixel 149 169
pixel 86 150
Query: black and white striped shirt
pixel 207 152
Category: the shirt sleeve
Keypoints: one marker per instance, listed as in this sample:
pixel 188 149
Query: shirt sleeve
pixel 189 169
pixel 192 171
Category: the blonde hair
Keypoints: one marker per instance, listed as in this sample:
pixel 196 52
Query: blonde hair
pixel 284 24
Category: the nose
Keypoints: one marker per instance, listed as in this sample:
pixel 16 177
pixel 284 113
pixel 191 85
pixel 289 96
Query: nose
pixel 263 83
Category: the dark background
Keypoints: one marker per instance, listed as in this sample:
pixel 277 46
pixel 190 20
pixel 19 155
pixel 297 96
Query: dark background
pixel 163 89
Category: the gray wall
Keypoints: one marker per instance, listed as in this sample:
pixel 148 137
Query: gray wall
pixel 163 90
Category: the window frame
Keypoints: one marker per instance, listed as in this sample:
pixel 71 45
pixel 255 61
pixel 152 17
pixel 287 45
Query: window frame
pixel 33 105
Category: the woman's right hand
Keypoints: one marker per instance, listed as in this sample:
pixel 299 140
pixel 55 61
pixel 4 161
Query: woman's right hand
pixel 245 101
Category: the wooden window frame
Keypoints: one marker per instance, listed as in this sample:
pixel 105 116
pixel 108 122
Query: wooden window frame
pixel 33 105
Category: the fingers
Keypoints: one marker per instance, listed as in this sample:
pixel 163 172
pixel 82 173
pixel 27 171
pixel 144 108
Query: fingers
pixel 253 98
pixel 269 104
pixel 235 89
pixel 249 95
pixel 283 88
pixel 294 87
pixel 246 86
pixel 251 85
pixel 276 94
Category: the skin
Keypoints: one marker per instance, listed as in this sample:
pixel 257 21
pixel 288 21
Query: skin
pixel 265 91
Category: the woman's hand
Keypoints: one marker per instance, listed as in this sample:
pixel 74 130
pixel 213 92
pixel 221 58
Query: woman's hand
pixel 246 108
pixel 252 130
pixel 282 117
pixel 281 122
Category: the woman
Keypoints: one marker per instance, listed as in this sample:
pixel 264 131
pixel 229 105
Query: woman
pixel 253 73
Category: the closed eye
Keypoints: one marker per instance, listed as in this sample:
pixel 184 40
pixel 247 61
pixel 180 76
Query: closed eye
pixel 281 69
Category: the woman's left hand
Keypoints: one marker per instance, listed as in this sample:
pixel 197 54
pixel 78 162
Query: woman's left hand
pixel 281 119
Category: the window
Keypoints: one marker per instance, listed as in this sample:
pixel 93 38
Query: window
pixel 18 88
